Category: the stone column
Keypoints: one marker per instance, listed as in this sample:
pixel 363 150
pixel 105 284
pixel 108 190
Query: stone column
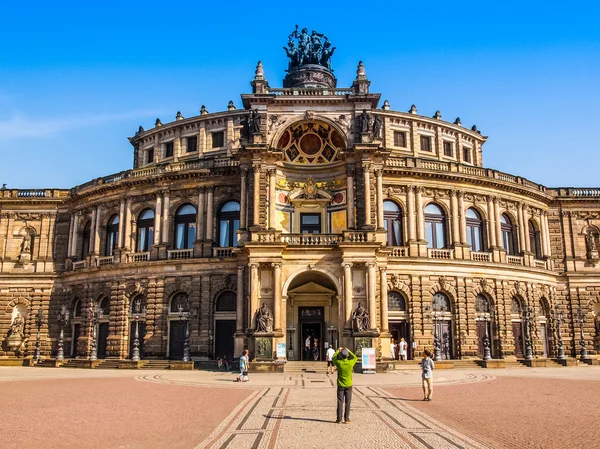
pixel 350 198
pixel 276 296
pixel 71 227
pixel 546 227
pixel 166 217
pixel 127 236
pixel 491 231
pixel 367 182
pixel 157 215
pixel 92 241
pixel 498 222
pixel 209 214
pixel 243 198
pixel 379 180
pixel 121 222
pixel 420 216
pixel 239 308
pixel 454 212
pixel 256 195
pixel 347 294
pixel 272 190
pixel 371 289
pixel 522 243
pixel 383 288
pixel 525 212
pixel 200 215
pixel 96 230
pixel 75 235
pixel 410 205
pixel 462 217
pixel 254 287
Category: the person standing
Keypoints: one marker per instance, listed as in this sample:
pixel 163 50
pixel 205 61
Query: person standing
pixel 307 350
pixel 403 349
pixel 393 349
pixel 244 359
pixel 427 367
pixel 344 361
pixel 329 356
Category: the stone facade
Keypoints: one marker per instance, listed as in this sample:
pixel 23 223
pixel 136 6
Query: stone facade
pixel 314 212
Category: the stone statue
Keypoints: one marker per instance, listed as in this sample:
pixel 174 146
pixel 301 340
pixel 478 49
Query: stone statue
pixel 254 122
pixel 326 54
pixel 377 125
pixel 264 319
pixel 590 239
pixel 314 48
pixel 17 326
pixel 364 121
pixel 360 318
pixel 26 244
pixel 292 52
pixel 597 324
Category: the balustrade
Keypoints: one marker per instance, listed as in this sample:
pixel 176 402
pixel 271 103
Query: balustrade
pixel 223 252
pixel 514 260
pixel 139 257
pixel 398 251
pixel 105 260
pixel 311 239
pixel 539 263
pixel 479 256
pixel 179 254
pixel 80 264
pixel 440 253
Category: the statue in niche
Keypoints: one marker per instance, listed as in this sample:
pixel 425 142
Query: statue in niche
pixel 360 318
pixel 377 126
pixel 364 121
pixel 590 240
pixel 264 319
pixel 26 244
pixel 17 326
pixel 254 122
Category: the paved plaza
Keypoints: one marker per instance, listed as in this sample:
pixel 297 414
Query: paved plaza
pixel 511 408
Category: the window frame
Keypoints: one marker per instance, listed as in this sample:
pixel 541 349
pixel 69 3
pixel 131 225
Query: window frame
pixel 429 145
pixel 471 225
pixel 448 148
pixel 187 144
pixel 86 237
pixel 230 217
pixel 507 231
pixel 169 149
pixel 400 139
pixel 389 218
pixel 112 234
pixel 310 226
pixel 186 220
pixel 145 225
pixel 214 140
pixel 433 220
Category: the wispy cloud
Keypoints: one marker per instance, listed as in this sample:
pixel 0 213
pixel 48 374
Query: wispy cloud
pixel 22 126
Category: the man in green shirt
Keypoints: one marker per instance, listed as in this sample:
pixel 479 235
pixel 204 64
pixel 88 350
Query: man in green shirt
pixel 344 360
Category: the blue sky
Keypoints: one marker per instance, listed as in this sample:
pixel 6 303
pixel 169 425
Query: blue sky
pixel 78 78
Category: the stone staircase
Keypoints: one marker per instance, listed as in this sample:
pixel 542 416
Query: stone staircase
pixel 109 364
pixel 156 364
pixel 293 367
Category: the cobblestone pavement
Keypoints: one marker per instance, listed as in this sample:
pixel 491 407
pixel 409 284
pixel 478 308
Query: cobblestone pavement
pixel 130 409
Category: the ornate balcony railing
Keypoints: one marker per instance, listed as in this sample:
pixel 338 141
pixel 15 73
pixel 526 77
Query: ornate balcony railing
pixel 398 251
pixel 311 239
pixel 138 257
pixel 308 91
pixel 480 256
pixel 80 264
pixel 105 260
pixel 539 263
pixel 440 253
pixel 223 252
pixel 179 254
pixel 514 260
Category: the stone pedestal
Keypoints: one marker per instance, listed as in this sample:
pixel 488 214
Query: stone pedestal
pixel 14 343
pixel 362 340
pixel 263 346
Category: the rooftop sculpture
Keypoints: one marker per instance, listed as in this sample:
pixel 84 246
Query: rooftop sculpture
pixel 304 48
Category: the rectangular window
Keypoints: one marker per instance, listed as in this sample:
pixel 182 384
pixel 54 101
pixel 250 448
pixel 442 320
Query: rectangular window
pixel 218 139
pixel 192 144
pixel 400 139
pixel 169 149
pixel 425 143
pixel 466 154
pixel 310 223
pixel 448 149
pixel 150 155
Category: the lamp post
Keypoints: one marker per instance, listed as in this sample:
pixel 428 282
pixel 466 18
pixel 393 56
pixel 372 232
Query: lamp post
pixel 581 320
pixel 487 353
pixel 39 320
pixel 138 315
pixel 95 316
pixel 528 349
pixel 558 316
pixel 437 350
pixel 291 329
pixel 185 316
pixel 63 319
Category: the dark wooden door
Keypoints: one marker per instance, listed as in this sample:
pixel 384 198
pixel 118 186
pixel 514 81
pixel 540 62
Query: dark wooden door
pixel 102 336
pixel 141 333
pixel 75 337
pixel 224 331
pixel 544 335
pixel 481 329
pixel 517 331
pixel 444 334
pixel 176 339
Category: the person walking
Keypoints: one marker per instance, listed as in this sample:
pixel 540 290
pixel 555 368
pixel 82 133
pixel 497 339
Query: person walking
pixel 427 367
pixel 244 359
pixel 403 347
pixel 344 361
pixel 329 356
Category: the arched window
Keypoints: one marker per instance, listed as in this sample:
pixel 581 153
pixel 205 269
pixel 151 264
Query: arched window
pixel 138 304
pixel 226 302
pixel 508 235
pixel 392 222
pixel 85 240
pixel 185 227
pixel 105 307
pixel 180 303
pixel 435 226
pixel 544 309
pixel 475 230
pixel 76 311
pixel 440 302
pixel 229 223
pixel 482 304
pixel 112 235
pixel 516 306
pixel 396 302
pixel 145 230
pixel 534 240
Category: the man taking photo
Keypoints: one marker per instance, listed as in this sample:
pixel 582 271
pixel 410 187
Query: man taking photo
pixel 344 361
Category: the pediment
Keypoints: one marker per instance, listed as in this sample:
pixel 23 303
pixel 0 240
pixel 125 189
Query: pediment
pixel 311 288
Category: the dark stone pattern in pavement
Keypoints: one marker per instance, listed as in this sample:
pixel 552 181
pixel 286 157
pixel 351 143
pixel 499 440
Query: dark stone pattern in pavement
pixel 517 412
pixel 111 413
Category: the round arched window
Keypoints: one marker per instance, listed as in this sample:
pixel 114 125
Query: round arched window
pixel 180 303
pixel 185 227
pixel 440 302
pixel 310 143
pixel 226 302
pixel 396 302
pixel 482 304
pixel 435 226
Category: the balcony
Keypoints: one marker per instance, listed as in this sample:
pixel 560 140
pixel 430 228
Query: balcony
pixel 138 257
pixel 480 256
pixel 180 254
pixel 515 260
pixel 398 251
pixel 105 260
pixel 80 264
pixel 311 239
pixel 223 252
pixel 440 253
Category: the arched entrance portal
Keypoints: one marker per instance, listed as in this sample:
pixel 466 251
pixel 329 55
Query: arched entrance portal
pixel 313 316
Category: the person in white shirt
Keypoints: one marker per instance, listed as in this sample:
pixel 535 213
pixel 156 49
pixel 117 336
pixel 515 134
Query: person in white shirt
pixel 307 350
pixel 330 353
pixel 403 348
pixel 393 349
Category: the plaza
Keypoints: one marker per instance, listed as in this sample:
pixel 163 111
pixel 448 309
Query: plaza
pixel 510 408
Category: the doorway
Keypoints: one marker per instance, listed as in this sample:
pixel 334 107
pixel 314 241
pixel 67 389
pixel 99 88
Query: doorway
pixel 102 343
pixel 311 332
pixel 484 326
pixel 224 331
pixel 517 331
pixel 75 340
pixel 544 336
pixel 443 329
pixel 401 329
pixel 141 334
pixel 176 339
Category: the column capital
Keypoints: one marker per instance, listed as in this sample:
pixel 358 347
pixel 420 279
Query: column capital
pixel 200 190
pixel 383 270
pixel 240 268
pixel 256 167
pixel 460 193
pixel 350 171
pixel 254 265
pixel 347 264
pixel 276 265
pixel 366 165
pixel 379 172
pixel 271 171
pixel 370 264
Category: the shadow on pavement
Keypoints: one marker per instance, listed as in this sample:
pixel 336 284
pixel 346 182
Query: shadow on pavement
pixel 299 419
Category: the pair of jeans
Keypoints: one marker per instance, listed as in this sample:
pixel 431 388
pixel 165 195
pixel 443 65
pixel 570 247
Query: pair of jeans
pixel 343 393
